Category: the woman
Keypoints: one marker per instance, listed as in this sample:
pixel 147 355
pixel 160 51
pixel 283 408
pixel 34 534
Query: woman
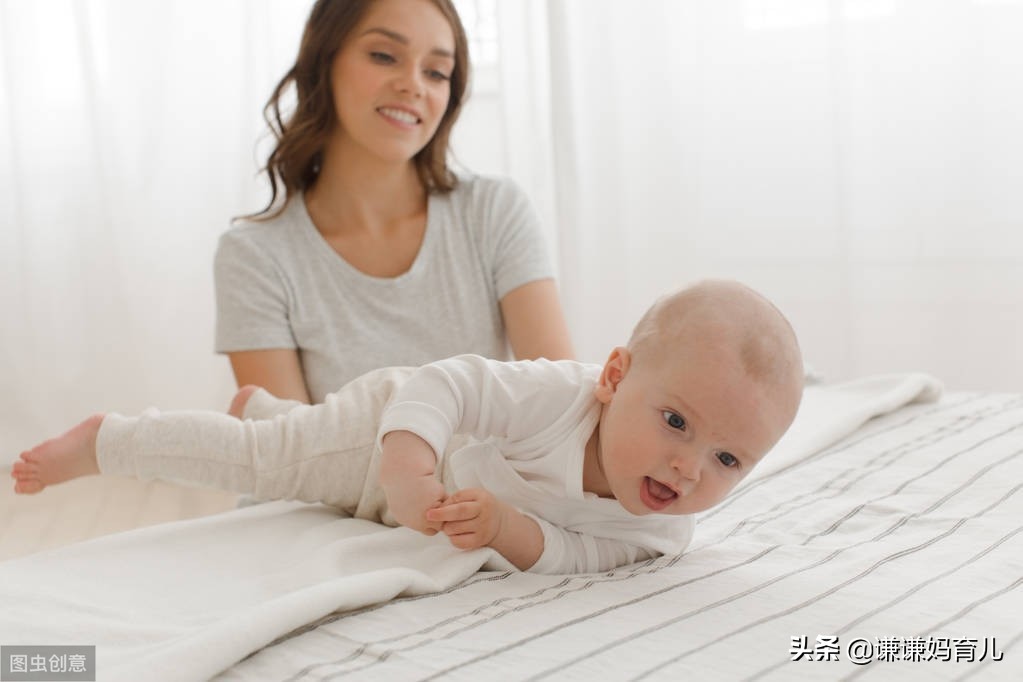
pixel 377 254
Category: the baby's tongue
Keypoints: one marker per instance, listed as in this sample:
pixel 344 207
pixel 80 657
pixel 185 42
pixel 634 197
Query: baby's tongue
pixel 659 490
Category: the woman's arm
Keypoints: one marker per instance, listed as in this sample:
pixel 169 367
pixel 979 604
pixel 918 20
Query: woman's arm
pixel 279 371
pixel 535 322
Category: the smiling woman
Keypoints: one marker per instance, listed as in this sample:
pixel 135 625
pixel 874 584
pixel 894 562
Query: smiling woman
pixel 127 133
pixel 372 251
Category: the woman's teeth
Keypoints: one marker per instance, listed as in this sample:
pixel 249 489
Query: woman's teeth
pixel 399 115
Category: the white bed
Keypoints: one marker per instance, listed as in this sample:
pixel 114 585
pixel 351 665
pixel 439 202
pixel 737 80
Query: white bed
pixel 900 539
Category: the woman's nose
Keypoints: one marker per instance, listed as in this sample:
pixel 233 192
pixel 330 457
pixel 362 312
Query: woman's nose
pixel 410 81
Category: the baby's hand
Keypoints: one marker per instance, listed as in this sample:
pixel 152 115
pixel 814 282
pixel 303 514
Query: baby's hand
pixel 407 465
pixel 470 518
pixel 410 499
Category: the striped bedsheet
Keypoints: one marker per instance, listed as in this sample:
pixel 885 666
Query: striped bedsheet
pixel 896 553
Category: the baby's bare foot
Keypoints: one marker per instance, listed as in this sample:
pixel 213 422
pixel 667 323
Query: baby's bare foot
pixel 241 398
pixel 58 459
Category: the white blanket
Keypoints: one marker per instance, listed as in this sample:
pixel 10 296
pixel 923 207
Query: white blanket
pixel 186 600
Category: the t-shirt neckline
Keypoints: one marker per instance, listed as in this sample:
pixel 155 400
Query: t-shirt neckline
pixel 341 263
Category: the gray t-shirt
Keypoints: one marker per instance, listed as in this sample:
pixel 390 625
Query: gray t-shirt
pixel 280 285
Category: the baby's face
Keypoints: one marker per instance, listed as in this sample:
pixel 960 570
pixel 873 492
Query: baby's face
pixel 678 432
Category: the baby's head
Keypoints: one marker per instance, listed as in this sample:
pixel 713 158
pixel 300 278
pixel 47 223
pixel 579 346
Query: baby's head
pixel 710 380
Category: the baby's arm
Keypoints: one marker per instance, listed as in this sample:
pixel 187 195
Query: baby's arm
pixel 474 518
pixel 407 467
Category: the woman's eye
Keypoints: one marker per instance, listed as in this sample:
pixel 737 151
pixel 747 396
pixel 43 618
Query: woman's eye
pixel 381 57
pixel 673 420
pixel 728 459
pixel 437 75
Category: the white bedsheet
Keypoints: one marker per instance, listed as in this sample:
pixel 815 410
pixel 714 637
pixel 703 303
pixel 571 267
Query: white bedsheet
pixel 907 533
pixel 184 601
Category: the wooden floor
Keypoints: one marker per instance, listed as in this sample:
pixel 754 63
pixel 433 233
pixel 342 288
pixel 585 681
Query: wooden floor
pixel 93 506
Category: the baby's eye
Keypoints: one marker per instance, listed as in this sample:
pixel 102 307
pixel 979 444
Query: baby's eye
pixel 673 420
pixel 381 57
pixel 728 459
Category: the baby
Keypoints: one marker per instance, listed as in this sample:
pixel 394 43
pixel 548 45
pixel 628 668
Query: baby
pixel 561 467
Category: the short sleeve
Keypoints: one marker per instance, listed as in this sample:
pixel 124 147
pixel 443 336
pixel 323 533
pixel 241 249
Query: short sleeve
pixel 515 245
pixel 252 299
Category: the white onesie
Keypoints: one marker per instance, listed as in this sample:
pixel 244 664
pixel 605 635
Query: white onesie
pixel 517 429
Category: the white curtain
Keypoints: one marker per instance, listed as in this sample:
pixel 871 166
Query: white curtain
pixel 127 142
pixel 859 161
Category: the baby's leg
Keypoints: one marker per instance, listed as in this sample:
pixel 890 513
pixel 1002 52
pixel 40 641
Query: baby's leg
pixel 59 459
pixel 314 453
pixel 210 449
pixel 73 454
pixel 253 402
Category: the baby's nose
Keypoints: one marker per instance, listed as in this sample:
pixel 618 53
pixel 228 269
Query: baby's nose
pixel 687 465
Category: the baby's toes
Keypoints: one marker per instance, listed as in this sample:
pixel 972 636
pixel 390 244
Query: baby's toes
pixel 29 457
pixel 24 469
pixel 27 487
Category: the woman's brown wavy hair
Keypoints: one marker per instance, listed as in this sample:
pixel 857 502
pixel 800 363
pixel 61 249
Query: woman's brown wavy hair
pixel 294 163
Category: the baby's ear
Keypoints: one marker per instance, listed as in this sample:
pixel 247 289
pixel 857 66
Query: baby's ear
pixel 614 371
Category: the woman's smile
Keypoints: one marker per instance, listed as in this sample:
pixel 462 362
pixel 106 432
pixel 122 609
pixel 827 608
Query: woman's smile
pixel 405 118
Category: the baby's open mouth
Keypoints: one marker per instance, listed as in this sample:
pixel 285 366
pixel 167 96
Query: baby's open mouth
pixel 655 495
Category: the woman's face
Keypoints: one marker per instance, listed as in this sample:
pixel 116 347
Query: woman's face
pixel 391 80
